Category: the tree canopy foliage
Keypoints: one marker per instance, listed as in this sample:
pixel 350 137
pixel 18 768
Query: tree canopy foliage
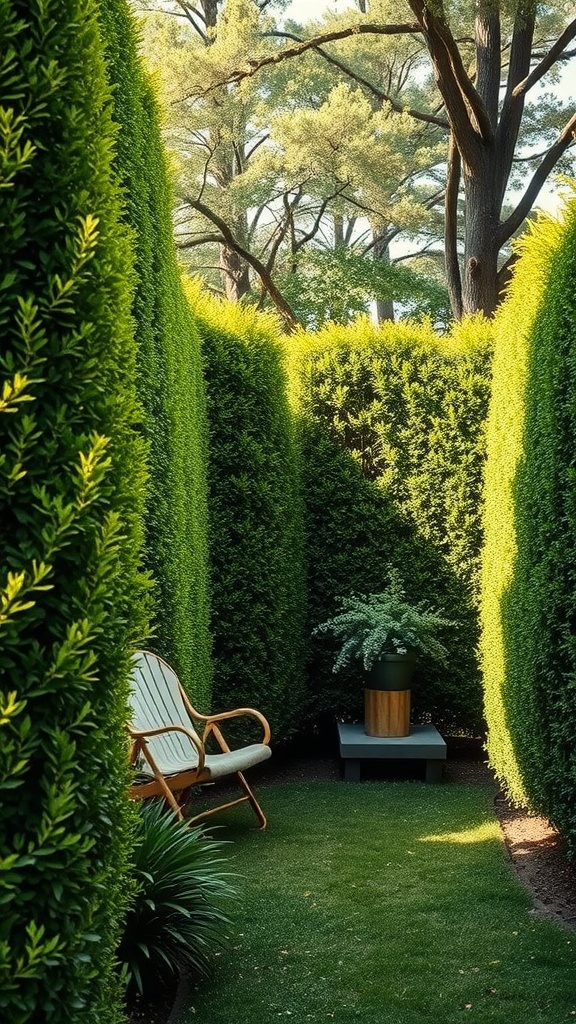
pixel 417 121
pixel 286 175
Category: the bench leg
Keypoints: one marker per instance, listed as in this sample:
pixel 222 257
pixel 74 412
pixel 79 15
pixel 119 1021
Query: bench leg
pixel 433 771
pixel 351 769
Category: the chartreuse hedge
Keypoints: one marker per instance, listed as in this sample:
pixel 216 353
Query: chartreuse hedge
pixel 256 532
pixel 170 383
pixel 71 495
pixel 393 435
pixel 529 574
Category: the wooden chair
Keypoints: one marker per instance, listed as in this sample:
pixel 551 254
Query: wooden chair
pixel 169 756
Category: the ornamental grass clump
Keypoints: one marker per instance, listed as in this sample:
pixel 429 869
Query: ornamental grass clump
pixel 176 921
pixel 373 625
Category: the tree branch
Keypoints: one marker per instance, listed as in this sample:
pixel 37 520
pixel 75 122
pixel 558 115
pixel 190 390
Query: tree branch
pixel 187 13
pixel 513 105
pixel 317 220
pixel 309 44
pixel 539 177
pixel 488 56
pixel 384 97
pixel 255 218
pixel 349 230
pixel 283 307
pixel 466 111
pixel 260 142
pixel 554 54
pixel 194 240
pixel 282 228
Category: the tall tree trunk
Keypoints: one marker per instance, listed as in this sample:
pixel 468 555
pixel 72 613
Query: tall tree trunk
pixel 482 217
pixel 234 270
pixel 338 224
pixel 381 251
pixel 234 274
pixel 451 258
pixel 210 11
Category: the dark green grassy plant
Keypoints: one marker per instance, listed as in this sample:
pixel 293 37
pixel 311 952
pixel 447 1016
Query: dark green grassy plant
pixel 385 904
pixel 177 920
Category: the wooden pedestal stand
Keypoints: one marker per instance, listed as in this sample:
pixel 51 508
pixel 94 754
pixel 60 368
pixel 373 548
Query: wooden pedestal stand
pixel 387 712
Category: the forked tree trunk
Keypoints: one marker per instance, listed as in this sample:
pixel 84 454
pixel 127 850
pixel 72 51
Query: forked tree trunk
pixel 484 115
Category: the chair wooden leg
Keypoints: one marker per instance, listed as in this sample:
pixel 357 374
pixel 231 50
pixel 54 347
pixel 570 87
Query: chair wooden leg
pixel 181 797
pixel 173 803
pixel 169 796
pixel 253 801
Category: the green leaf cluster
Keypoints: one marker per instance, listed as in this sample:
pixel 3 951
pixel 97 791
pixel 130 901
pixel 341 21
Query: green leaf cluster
pixel 392 424
pixel 169 373
pixel 256 528
pixel 72 597
pixel 339 284
pixel 528 604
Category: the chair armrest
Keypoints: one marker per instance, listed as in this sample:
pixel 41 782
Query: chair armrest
pixel 237 713
pixel 143 734
pixel 210 719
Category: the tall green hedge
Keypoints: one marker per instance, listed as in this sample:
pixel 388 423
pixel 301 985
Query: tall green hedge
pixel 529 575
pixel 256 541
pixel 71 496
pixel 170 383
pixel 393 433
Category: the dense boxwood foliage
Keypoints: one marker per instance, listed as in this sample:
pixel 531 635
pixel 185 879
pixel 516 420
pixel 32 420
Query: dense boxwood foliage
pixel 393 433
pixel 256 542
pixel 170 383
pixel 71 495
pixel 529 585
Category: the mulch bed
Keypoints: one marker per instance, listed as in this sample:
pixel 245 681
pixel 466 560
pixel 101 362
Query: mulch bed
pixel 538 855
pixel 536 851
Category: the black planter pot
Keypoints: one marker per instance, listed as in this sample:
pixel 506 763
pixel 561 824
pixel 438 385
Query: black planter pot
pixel 391 672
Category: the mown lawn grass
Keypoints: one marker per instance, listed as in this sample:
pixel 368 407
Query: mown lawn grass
pixel 383 904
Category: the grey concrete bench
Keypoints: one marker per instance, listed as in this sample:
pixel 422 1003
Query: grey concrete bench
pixel 423 743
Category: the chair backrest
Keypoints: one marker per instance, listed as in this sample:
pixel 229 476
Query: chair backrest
pixel 156 701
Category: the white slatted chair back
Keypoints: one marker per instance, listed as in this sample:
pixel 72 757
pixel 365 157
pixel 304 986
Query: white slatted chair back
pixel 156 701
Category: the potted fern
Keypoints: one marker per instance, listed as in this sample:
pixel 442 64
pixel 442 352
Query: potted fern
pixel 387 634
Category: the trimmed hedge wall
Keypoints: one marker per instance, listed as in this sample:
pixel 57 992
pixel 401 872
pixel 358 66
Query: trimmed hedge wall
pixel 170 383
pixel 393 435
pixel 71 496
pixel 529 574
pixel 258 584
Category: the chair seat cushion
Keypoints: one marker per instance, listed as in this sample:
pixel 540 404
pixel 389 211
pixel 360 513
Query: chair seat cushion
pixel 216 766
pixel 219 765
